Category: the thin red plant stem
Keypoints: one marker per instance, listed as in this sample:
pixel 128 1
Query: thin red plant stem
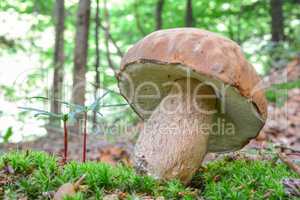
pixel 65 142
pixel 84 138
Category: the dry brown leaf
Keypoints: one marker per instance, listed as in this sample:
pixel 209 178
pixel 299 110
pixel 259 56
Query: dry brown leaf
pixel 113 155
pixel 122 195
pixel 68 189
pixel 111 197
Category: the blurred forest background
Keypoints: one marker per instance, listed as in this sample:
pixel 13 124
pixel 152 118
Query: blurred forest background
pixel 71 49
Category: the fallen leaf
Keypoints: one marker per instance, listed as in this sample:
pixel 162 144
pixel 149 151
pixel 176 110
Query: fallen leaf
pixel 114 155
pixel 68 189
pixel 111 197
pixel 122 195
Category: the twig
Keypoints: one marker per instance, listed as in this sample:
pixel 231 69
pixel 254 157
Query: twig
pixel 289 163
pixel 84 137
pixel 65 142
pixel 288 148
pixel 97 59
pixel 107 89
pixel 119 51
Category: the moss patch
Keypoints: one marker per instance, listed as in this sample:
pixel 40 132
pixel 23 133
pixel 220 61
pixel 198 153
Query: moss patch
pixel 35 174
pixel 245 179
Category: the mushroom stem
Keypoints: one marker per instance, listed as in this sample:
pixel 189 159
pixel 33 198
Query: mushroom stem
pixel 174 140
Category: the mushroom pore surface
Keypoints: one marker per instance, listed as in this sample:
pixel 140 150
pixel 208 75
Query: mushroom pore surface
pixel 172 144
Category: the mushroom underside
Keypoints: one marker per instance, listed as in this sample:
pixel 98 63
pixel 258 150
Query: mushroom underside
pixel 236 122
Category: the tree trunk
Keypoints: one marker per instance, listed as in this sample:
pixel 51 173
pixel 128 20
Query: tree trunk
pixel 80 54
pixel 107 29
pixel 277 25
pixel 159 9
pixel 57 85
pixel 97 61
pixel 189 20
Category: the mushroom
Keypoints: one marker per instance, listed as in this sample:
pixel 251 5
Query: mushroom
pixel 197 94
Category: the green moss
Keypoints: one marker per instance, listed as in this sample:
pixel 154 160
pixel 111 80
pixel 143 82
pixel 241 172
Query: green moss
pixel 245 179
pixel 37 173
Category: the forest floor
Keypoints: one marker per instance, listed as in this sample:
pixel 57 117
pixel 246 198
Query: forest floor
pixel 36 175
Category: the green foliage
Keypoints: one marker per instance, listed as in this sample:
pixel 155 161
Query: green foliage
pixel 8 133
pixel 74 109
pixel 288 85
pixel 245 179
pixel 29 160
pixel 175 190
pixel 28 6
pixel 78 196
pixel 37 172
pixel 8 92
pixel 278 92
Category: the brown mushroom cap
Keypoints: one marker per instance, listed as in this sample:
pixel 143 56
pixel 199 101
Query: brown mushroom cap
pixel 168 55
